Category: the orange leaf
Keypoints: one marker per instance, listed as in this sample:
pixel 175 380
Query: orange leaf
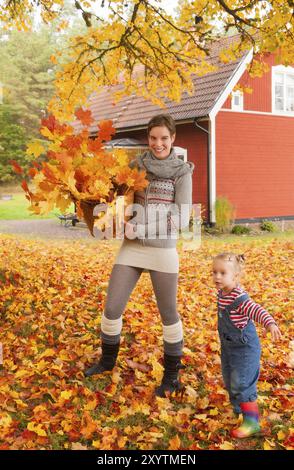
pixel 89 426
pixel 84 116
pixel 106 130
pixel 174 443
pixel 94 145
pixel 72 141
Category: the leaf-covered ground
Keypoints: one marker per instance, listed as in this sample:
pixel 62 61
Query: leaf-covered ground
pixel 52 297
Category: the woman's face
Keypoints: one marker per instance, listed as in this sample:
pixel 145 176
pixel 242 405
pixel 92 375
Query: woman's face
pixel 160 141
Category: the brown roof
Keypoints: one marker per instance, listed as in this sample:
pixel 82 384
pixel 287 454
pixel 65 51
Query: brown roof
pixel 135 111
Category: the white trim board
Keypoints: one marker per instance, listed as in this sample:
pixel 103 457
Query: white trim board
pixel 212 169
pixel 237 74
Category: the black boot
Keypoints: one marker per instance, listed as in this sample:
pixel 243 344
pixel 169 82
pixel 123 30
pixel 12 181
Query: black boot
pixel 107 360
pixel 170 380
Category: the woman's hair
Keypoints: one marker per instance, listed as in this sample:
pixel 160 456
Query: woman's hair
pixel 238 261
pixel 161 120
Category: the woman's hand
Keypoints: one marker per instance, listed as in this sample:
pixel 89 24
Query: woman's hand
pixel 274 331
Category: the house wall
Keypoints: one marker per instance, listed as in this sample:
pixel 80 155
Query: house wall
pixel 261 97
pixel 255 163
pixel 195 141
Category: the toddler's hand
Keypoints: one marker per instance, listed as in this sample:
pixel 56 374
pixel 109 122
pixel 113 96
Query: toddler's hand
pixel 275 332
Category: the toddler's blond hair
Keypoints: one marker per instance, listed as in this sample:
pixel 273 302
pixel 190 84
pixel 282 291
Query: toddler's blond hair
pixel 238 261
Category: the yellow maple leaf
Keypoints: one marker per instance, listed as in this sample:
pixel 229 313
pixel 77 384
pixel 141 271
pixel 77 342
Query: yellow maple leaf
pixel 66 394
pixel 48 353
pixel 281 435
pixel 5 421
pixel 268 445
pixel 35 148
pixel 37 428
pixel 96 444
pixel 226 446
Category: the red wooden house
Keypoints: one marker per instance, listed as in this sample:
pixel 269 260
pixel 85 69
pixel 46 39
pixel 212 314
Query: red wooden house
pixel 242 144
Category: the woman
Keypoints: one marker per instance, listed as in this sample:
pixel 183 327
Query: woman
pixel 151 246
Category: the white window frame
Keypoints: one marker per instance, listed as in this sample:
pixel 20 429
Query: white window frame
pixel 285 70
pixel 240 106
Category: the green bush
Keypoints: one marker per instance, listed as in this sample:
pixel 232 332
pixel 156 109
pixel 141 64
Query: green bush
pixel 240 229
pixel 224 214
pixel 268 226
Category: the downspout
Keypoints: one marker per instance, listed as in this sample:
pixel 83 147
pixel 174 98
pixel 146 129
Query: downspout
pixel 208 170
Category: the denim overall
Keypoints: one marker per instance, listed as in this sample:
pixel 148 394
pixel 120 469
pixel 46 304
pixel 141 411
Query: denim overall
pixel 240 356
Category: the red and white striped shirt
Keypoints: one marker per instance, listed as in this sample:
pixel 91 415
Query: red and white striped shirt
pixel 246 310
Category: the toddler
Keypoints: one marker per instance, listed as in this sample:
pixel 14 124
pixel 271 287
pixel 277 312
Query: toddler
pixel 240 347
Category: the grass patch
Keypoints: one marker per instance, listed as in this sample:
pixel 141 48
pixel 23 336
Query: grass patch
pixel 262 236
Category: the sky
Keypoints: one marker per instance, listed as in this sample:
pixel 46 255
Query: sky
pixel 167 5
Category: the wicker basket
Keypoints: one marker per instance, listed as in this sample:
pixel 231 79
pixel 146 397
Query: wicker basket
pixel 85 211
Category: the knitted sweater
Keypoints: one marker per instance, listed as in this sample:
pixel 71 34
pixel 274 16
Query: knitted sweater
pixel 162 209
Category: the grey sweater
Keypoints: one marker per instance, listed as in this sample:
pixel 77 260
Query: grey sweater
pixel 162 209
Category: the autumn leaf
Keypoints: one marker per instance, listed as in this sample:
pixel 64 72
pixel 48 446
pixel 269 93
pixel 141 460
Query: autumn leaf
pixel 94 145
pixel 174 443
pixel 80 170
pixel 35 148
pixel 84 116
pixel 16 166
pixel 36 428
pixel 106 130
pixel 89 426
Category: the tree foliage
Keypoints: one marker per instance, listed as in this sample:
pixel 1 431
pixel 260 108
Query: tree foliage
pixel 26 75
pixel 149 51
pixel 12 144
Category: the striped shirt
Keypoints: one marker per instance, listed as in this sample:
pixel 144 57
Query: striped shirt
pixel 246 310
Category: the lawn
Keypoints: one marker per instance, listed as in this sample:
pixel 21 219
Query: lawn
pixel 17 208
pixel 52 298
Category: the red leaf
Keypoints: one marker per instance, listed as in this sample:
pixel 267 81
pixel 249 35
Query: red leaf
pixel 53 125
pixel 84 116
pixel 36 165
pixel 18 169
pixel 25 186
pixel 32 172
pixel 49 122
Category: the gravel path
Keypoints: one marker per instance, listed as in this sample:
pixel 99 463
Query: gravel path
pixel 45 228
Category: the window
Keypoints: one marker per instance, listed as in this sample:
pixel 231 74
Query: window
pixel 237 100
pixel 283 90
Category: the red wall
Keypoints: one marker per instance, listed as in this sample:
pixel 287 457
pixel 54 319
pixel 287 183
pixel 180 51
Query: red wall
pixel 255 163
pixel 261 97
pixel 195 141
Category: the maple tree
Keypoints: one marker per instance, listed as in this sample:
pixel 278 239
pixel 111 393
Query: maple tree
pixel 78 169
pixel 169 48
pixel 53 294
